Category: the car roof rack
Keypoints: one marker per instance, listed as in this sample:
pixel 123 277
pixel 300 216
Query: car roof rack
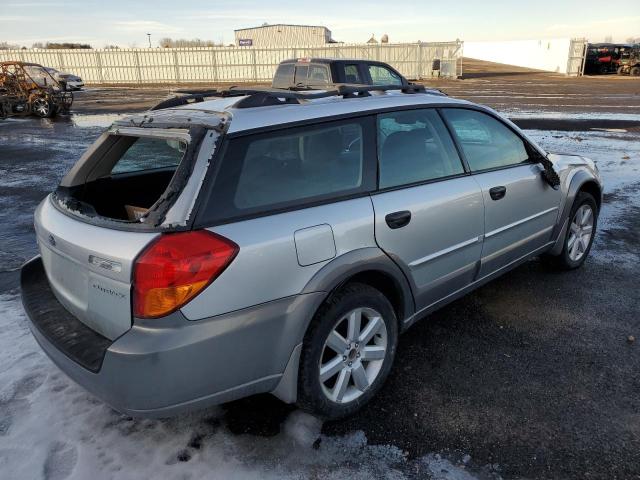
pixel 265 96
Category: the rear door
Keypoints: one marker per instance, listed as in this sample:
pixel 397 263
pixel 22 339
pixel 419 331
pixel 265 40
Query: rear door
pixel 520 207
pixel 351 72
pixel 428 212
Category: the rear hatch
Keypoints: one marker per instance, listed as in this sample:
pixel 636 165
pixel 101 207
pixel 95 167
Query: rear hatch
pixel 133 184
pixel 89 268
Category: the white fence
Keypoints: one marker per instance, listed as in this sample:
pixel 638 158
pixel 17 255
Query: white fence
pixel 233 64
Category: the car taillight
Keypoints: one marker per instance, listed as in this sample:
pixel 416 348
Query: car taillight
pixel 175 268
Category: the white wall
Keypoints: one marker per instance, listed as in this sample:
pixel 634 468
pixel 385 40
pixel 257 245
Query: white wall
pixel 550 55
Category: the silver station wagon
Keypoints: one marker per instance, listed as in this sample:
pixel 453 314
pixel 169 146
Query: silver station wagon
pixel 247 241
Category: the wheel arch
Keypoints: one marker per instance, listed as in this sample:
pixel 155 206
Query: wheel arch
pixel 582 181
pixel 591 187
pixel 370 266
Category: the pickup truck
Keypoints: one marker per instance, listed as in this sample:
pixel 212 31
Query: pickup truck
pixel 322 72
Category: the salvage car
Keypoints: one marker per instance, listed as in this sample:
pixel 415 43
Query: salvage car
pixel 322 72
pixel 263 240
pixel 29 89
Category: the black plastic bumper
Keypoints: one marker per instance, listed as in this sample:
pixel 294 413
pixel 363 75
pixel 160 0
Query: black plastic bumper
pixel 68 334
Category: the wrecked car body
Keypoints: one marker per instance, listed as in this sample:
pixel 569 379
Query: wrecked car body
pixel 29 89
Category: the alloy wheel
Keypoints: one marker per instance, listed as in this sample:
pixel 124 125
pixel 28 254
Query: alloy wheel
pixel 353 355
pixel 581 230
pixel 41 107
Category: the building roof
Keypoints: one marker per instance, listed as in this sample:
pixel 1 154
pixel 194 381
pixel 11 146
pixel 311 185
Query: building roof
pixel 280 25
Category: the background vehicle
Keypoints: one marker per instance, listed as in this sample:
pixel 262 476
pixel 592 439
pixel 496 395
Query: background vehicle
pixel 629 63
pixel 603 58
pixel 320 72
pixel 70 81
pixel 276 241
pixel 28 88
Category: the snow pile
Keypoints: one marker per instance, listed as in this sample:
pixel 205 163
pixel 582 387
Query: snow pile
pixel 52 428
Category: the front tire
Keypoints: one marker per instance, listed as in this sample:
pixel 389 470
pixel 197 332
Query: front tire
pixel 41 107
pixel 583 221
pixel 347 352
pixel 635 72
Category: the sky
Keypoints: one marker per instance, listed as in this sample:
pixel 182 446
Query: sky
pixel 126 22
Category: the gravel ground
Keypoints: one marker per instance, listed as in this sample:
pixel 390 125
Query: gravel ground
pixel 531 376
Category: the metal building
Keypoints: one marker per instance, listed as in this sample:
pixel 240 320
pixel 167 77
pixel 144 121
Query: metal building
pixel 281 35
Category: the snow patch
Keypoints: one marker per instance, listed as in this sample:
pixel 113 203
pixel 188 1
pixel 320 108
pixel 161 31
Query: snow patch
pixel 50 427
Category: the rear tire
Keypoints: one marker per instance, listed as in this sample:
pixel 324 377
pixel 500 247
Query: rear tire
pixel 635 72
pixel 347 352
pixel 583 221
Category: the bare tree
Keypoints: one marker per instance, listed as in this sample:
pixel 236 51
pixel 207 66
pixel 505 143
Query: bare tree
pixel 608 39
pixel 60 46
pixel 183 42
pixel 8 46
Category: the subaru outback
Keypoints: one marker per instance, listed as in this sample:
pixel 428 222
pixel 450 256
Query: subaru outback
pixel 276 241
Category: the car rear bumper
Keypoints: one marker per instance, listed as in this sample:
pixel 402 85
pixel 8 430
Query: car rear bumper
pixel 166 366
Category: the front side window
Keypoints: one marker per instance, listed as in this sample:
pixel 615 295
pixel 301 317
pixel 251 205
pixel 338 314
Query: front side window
pixel 383 76
pixel 486 142
pixel 414 146
pixel 149 154
pixel 282 169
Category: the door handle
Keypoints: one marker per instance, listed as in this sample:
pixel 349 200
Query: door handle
pixel 398 219
pixel 498 192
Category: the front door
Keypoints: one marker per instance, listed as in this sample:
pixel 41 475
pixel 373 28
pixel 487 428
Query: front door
pixel 520 207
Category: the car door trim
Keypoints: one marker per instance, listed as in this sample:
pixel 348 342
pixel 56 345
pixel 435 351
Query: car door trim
pixel 445 251
pixel 519 222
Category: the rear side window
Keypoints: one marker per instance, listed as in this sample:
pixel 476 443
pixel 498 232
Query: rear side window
pixel 301 74
pixel 150 154
pixel 414 146
pixel 383 76
pixel 486 142
pixel 283 76
pixel 279 170
pixel 352 74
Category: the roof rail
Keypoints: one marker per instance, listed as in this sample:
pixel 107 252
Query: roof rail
pixel 263 96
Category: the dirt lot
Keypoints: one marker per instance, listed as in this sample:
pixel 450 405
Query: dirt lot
pixel 531 376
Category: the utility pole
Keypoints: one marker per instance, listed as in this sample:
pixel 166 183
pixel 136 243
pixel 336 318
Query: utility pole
pixel 149 37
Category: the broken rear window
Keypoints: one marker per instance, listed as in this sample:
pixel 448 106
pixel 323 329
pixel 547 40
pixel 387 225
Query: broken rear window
pixel 150 154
